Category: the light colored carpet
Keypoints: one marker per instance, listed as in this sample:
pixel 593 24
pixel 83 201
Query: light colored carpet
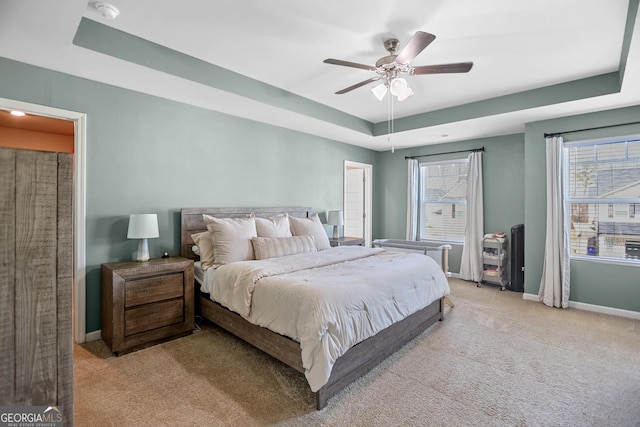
pixel 496 360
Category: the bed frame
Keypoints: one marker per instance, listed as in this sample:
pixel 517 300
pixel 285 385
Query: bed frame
pixel 354 363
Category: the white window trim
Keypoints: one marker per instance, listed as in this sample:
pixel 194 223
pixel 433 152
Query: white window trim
pixel 612 201
pixel 460 201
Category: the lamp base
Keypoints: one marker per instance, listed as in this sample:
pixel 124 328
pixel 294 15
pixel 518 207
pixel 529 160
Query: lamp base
pixel 143 250
pixel 336 234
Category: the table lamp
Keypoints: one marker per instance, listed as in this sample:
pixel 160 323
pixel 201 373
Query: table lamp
pixel 336 218
pixel 143 227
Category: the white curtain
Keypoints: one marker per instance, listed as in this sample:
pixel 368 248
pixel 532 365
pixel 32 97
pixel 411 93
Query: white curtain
pixel 471 261
pixel 554 286
pixel 412 200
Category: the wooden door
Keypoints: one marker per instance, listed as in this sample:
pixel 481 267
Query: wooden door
pixel 36 279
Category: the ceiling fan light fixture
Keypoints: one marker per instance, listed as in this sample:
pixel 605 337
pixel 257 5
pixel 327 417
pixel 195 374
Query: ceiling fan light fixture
pixel 390 67
pixel 379 91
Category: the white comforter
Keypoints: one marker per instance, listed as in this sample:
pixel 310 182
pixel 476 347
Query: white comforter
pixel 330 300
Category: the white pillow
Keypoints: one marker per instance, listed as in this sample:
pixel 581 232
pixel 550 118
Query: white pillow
pixel 274 247
pixel 276 226
pixel 231 238
pixel 312 226
pixel 205 247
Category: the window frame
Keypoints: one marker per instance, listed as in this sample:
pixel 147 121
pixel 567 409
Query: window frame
pixel 454 202
pixel 602 240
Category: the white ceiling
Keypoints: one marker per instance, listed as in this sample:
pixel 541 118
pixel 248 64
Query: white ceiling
pixel 515 47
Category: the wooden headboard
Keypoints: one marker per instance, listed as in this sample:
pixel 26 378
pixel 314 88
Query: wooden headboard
pixel 191 221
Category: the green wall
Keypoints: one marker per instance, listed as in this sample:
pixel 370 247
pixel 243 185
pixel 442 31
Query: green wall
pixel 503 186
pixel 150 155
pixel 592 281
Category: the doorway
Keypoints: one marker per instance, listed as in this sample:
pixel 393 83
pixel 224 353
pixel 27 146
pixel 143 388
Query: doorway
pixel 357 200
pixel 79 203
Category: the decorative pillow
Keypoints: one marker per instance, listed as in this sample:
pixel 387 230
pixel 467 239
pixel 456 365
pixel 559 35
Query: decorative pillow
pixel 312 226
pixel 231 238
pixel 205 248
pixel 276 226
pixel 274 247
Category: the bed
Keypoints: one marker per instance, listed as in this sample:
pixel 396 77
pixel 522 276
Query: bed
pixel 351 363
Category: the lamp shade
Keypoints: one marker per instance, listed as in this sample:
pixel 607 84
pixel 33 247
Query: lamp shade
pixel 335 218
pixel 407 93
pixel 143 226
pixel 380 91
pixel 398 86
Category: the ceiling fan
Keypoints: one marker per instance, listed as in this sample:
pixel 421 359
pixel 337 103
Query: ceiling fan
pixel 390 68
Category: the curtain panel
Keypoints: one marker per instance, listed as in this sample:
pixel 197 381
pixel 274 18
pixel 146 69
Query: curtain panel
pixel 412 199
pixel 471 261
pixel 554 285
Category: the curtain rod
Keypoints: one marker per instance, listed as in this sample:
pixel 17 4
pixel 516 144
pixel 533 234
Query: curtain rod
pixel 448 152
pixel 547 135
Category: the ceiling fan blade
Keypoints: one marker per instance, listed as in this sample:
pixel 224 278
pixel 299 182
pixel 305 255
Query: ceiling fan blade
pixel 418 42
pixel 458 67
pixel 348 64
pixel 357 85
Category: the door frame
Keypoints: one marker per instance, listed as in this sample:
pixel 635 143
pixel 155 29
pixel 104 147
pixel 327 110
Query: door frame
pixel 368 173
pixel 79 203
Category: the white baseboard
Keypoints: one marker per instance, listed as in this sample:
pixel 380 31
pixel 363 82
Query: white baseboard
pixel 594 308
pixel 605 310
pixel 93 336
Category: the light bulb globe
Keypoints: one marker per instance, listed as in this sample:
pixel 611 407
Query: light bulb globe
pixel 379 91
pixel 398 86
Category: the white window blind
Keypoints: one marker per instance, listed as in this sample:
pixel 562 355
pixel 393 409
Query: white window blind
pixel 602 192
pixel 443 200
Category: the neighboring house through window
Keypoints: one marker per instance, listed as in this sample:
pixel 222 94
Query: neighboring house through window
pixel 602 192
pixel 443 200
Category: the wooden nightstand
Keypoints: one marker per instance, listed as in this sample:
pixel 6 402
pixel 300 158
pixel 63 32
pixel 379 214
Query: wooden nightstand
pixel 347 241
pixel 146 302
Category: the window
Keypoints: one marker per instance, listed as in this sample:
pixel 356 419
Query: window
pixel 443 200
pixel 602 192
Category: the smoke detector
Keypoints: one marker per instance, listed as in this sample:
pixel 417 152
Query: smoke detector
pixel 107 10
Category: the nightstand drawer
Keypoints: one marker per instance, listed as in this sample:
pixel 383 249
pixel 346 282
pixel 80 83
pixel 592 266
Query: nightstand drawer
pixel 144 303
pixel 152 316
pixel 152 289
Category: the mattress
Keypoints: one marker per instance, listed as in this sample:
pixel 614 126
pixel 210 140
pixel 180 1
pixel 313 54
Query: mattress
pixel 203 277
pixel 198 272
pixel 328 300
